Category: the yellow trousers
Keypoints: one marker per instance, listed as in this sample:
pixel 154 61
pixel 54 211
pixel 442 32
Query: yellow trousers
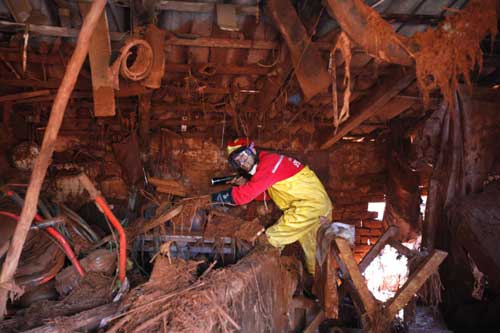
pixel 303 200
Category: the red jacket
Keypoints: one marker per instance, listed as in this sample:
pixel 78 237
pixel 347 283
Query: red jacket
pixel 271 169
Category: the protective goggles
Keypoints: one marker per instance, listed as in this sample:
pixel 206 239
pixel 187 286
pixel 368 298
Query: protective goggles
pixel 243 158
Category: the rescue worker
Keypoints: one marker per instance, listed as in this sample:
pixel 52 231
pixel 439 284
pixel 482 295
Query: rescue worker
pixel 293 187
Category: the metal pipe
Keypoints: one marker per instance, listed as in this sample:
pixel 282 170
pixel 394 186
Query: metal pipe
pixel 122 261
pixel 103 206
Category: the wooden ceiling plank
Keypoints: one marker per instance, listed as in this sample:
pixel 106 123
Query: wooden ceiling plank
pixel 310 68
pixel 369 106
pixel 49 30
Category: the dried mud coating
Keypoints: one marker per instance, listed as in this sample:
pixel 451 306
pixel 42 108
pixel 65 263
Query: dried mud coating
pixel 255 292
pixel 453 49
pixel 94 290
pixel 182 223
pixel 224 225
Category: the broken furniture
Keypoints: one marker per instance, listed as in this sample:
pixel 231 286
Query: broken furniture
pixel 375 316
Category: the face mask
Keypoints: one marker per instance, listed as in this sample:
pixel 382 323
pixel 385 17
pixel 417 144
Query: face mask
pixel 245 160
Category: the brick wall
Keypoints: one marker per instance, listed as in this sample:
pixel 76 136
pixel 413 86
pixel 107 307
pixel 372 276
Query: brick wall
pixel 356 177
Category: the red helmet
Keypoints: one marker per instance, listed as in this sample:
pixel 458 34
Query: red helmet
pixel 237 143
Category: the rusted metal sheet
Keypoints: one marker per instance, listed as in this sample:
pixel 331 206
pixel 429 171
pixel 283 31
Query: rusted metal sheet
pixel 99 56
pixel 310 68
pixel 156 38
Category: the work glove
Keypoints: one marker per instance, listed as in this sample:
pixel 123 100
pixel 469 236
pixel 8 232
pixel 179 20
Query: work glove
pixel 223 197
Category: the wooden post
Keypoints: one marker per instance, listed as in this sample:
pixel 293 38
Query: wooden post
pixel 50 136
pixel 350 269
pixel 99 58
pixel 310 68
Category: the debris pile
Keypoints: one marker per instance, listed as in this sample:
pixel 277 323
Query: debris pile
pixel 251 292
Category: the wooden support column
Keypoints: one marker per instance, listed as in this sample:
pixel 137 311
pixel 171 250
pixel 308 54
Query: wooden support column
pixel 49 140
pixel 310 68
pixel 415 282
pixel 351 271
pixel 144 117
pixel 391 85
pixel 99 56
pixel 156 38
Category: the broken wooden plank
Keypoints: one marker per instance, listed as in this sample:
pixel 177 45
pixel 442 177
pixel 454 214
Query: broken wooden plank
pixel 310 68
pixel 99 57
pixel 24 95
pixel 401 248
pixel 318 319
pixel 415 282
pixel 50 136
pixel 350 269
pixel 369 106
pixel 379 245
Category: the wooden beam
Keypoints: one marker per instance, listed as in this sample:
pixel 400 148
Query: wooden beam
pixel 310 68
pixel 48 30
pixel 49 139
pixel 24 95
pixel 415 282
pixel 51 84
pixel 314 324
pixel 413 18
pixel 350 269
pixel 217 69
pixel 402 249
pixel 391 85
pixel 99 57
pixel 379 245
pixel 223 43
